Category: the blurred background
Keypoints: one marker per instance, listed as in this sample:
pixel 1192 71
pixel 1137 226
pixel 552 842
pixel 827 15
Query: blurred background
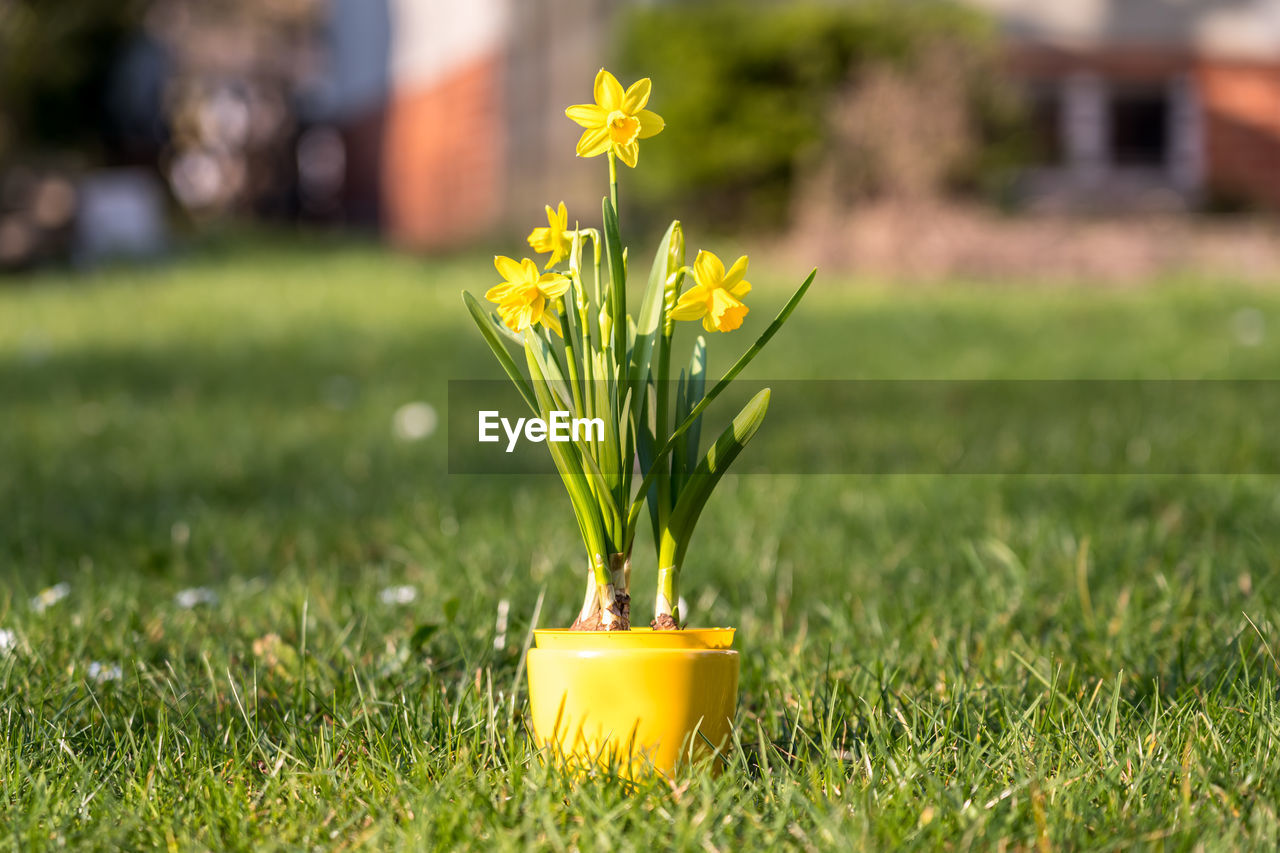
pixel 232 239
pixel 1108 139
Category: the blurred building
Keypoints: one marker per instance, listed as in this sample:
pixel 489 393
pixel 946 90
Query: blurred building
pixel 116 118
pixel 452 114
pixel 438 121
pixel 1149 103
pixel 214 93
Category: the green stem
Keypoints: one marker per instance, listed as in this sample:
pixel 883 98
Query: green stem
pixel 570 331
pixel 668 600
pixel 613 179
pixel 583 305
pixel 600 571
pixel 660 432
pixel 597 249
pixel 638 503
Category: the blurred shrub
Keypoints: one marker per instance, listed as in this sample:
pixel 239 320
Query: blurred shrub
pixel 767 103
pixel 55 62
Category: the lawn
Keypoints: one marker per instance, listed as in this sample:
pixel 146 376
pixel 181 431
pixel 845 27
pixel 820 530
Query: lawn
pixel 927 660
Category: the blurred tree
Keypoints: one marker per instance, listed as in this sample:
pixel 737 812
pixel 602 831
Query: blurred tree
pixel 203 94
pixel 241 72
pixel 763 97
pixel 55 62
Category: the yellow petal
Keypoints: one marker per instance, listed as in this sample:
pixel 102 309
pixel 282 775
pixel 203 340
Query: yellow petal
pixel 608 91
pixel 726 312
pixel 741 289
pixel 709 323
pixel 552 322
pixel 636 97
pixel 651 124
pixel 594 141
pixel 708 269
pixel 689 310
pixel 695 293
pixel 735 273
pixel 540 239
pixel 553 285
pixel 628 153
pixel 497 293
pixel 508 268
pixel 587 115
pixel 556 254
pixel 528 270
pixel 562 214
pixel 510 315
pixel 731 319
pixel 624 129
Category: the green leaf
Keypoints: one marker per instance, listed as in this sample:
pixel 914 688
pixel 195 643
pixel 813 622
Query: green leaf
pixel 588 504
pixel 550 365
pixel 451 609
pixel 626 461
pixel 646 448
pixel 617 297
pixel 492 330
pixel 614 452
pixel 691 389
pixel 707 474
pixel 652 312
pixel 633 514
pixel 747 356
pixel 423 634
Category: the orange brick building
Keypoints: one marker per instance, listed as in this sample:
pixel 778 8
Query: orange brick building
pixel 1149 103
pixel 453 111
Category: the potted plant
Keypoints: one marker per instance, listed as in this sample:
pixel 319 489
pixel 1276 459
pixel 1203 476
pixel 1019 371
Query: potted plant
pixel 603 691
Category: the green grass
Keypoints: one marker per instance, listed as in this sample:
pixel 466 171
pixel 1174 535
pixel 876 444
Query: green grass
pixel 927 661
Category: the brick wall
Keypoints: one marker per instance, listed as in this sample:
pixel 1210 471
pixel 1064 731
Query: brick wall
pixel 443 157
pixel 475 137
pixel 1241 102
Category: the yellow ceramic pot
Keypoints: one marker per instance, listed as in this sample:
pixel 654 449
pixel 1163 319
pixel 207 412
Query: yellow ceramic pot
pixel 638 700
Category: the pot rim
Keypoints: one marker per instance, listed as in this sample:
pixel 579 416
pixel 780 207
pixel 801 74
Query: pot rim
pixel 636 638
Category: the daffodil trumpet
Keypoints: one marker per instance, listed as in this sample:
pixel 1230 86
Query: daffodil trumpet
pixel 584 353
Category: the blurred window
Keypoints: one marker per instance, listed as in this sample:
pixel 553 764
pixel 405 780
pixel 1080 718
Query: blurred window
pixel 1139 121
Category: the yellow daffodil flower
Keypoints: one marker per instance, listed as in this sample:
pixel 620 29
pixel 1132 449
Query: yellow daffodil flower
pixel 523 295
pixel 715 298
pixel 616 120
pixel 555 238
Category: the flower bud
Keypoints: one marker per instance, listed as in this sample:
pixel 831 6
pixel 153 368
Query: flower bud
pixel 675 273
pixel 675 250
pixel 575 254
pixel 606 327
